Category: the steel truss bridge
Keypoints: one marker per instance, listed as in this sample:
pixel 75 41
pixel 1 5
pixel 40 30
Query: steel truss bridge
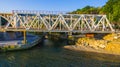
pixel 45 21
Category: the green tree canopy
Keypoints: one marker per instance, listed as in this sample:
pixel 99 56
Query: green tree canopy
pixel 111 9
pixel 87 10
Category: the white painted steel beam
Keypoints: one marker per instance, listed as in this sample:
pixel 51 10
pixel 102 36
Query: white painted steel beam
pixel 49 21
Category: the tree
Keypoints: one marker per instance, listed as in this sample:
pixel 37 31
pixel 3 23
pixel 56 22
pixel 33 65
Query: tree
pixel 112 9
pixel 87 10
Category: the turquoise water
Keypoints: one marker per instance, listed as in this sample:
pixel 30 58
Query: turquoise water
pixel 56 56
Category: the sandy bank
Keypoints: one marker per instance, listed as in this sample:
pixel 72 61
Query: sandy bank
pixel 88 49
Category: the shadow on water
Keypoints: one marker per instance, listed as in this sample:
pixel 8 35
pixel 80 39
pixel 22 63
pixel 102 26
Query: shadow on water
pixel 53 55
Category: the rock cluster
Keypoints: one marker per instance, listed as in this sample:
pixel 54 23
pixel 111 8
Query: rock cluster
pixel 110 37
pixel 110 43
pixel 91 42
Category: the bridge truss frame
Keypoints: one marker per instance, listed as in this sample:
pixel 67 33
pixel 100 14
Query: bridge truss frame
pixel 56 22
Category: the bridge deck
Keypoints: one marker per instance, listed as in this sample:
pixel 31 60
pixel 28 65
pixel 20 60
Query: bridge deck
pixel 86 31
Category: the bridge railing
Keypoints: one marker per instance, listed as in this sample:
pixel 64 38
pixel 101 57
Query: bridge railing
pixel 38 12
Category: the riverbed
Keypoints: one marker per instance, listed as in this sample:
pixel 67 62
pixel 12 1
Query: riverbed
pixel 54 56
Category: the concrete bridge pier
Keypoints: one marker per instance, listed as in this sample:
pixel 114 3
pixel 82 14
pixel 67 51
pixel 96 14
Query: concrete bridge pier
pixel 24 34
pixel 70 38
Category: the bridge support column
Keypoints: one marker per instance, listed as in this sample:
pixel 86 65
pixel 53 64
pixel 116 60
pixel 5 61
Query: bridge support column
pixel 24 34
pixel 70 38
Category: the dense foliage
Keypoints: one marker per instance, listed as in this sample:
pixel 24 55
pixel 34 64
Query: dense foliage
pixel 87 10
pixel 111 9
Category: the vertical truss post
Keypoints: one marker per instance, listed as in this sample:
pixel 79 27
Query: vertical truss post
pixel 71 21
pixel 82 23
pixel 38 21
pixel 0 22
pixel 103 23
pixel 15 20
pixel 49 18
pixel 60 24
pixel 93 21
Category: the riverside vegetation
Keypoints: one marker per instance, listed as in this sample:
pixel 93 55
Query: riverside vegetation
pixel 111 9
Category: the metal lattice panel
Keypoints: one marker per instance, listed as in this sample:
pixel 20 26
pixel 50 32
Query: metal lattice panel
pixel 59 22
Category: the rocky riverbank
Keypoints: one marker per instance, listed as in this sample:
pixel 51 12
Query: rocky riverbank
pixel 109 44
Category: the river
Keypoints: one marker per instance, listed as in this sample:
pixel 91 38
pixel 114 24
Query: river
pixel 53 55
